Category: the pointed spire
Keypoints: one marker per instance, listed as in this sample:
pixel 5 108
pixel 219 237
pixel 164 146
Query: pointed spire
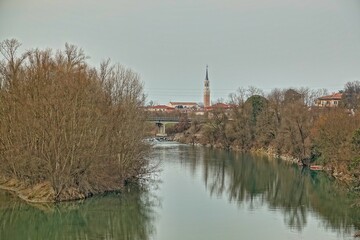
pixel 207 75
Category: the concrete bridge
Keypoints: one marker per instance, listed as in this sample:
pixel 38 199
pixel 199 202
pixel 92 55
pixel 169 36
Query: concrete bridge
pixel 161 122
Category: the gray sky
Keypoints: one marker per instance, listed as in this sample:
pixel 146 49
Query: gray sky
pixel 263 43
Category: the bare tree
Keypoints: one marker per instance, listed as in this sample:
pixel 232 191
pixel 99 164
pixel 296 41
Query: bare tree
pixel 310 95
pixel 251 91
pixel 69 127
pixel 351 95
pixel 239 97
pixel 9 66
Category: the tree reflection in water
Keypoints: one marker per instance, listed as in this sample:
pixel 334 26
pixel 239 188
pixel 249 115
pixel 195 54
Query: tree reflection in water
pixel 245 180
pixel 114 216
pixel 259 181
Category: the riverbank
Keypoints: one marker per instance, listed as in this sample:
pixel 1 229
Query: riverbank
pixel 39 193
pixel 346 179
pixel 181 138
pixel 44 193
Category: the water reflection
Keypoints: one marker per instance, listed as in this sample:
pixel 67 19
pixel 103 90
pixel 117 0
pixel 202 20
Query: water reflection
pixel 129 216
pixel 253 183
pixel 257 181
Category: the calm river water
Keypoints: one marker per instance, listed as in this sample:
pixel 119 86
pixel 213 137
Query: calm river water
pixel 199 194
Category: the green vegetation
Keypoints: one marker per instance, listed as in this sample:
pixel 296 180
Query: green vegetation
pixel 68 130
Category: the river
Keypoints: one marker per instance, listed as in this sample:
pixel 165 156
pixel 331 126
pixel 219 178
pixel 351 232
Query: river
pixel 199 194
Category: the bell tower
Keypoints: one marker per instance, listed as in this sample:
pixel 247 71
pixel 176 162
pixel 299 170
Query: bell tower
pixel 206 90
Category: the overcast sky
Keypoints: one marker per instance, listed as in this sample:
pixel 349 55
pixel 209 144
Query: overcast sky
pixel 263 43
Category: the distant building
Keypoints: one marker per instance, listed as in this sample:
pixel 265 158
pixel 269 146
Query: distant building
pixel 222 106
pixel 160 108
pixel 332 100
pixel 206 90
pixel 183 105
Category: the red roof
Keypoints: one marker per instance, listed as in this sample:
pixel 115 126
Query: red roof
pixel 219 105
pixel 183 103
pixel 334 96
pixel 160 107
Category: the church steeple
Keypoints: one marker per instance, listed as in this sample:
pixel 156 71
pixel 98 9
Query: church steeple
pixel 206 89
pixel 207 75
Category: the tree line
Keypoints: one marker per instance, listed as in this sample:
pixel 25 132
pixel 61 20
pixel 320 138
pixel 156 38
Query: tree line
pixel 285 122
pixel 68 130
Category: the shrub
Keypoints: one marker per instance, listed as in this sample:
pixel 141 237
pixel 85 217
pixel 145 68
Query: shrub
pixel 62 122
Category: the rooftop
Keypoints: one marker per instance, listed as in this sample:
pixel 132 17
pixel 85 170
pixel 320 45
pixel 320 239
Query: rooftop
pixel 183 103
pixel 160 107
pixel 334 96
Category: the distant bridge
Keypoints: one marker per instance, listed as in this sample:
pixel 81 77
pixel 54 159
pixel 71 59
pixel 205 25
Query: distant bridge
pixel 164 119
pixel 161 121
